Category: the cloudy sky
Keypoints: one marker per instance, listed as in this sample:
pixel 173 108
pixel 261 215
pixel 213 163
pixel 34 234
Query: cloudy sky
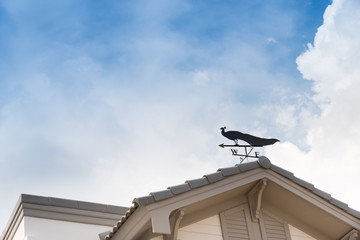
pixel 105 101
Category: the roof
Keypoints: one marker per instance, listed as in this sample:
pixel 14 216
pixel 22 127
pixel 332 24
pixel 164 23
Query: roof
pixel 221 174
pixel 62 209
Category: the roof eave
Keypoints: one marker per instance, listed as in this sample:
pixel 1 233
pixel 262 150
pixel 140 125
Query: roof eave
pixel 131 227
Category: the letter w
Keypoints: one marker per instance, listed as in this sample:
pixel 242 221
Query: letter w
pixel 234 151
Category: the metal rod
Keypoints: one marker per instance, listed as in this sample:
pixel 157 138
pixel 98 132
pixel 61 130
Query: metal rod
pixel 237 145
pixel 246 156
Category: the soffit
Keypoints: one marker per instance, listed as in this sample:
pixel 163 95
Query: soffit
pixel 308 212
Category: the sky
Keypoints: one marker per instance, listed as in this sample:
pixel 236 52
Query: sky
pixel 105 101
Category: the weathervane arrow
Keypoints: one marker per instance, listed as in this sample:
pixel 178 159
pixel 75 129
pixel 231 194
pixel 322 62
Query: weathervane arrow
pixel 237 145
pixel 252 141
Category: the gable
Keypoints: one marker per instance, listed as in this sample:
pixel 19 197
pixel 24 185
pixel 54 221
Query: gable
pixel 212 194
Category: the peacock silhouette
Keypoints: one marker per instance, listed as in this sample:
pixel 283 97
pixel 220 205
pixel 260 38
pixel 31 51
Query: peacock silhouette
pixel 250 139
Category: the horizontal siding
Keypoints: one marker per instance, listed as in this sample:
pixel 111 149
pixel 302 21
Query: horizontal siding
pixel 197 236
pixel 207 229
pixel 158 238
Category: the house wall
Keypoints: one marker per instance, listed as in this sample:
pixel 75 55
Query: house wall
pixel 210 229
pixel 296 234
pixel 33 228
pixel 20 233
pixel 207 229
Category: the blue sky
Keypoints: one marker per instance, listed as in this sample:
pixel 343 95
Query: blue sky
pixel 109 100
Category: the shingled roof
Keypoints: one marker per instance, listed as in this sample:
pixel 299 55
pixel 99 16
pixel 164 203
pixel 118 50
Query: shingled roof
pixel 222 173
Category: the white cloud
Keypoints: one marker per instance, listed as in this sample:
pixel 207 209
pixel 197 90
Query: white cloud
pixel 334 136
pixel 271 40
pixel 286 116
pixel 116 115
pixel 201 77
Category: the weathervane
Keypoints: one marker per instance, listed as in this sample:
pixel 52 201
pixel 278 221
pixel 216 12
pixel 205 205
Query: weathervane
pixel 252 141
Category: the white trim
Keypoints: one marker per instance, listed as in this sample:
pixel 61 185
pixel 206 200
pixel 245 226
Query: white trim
pixel 130 229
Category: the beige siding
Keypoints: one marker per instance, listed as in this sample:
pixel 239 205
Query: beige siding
pixel 207 229
pixel 297 234
pixel 158 238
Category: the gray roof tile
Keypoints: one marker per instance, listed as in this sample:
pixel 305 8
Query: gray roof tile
pixel 161 195
pixel 339 204
pixel 248 166
pixel 214 177
pixel 132 209
pixel 264 162
pixel 180 188
pixel 354 212
pixel 119 223
pixel 282 171
pixel 144 200
pixel 304 183
pixel 195 183
pixel 103 235
pixel 127 214
pixel 322 194
pixel 123 219
pixel 229 171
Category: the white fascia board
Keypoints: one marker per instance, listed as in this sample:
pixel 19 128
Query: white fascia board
pixel 133 226
pixel 14 222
